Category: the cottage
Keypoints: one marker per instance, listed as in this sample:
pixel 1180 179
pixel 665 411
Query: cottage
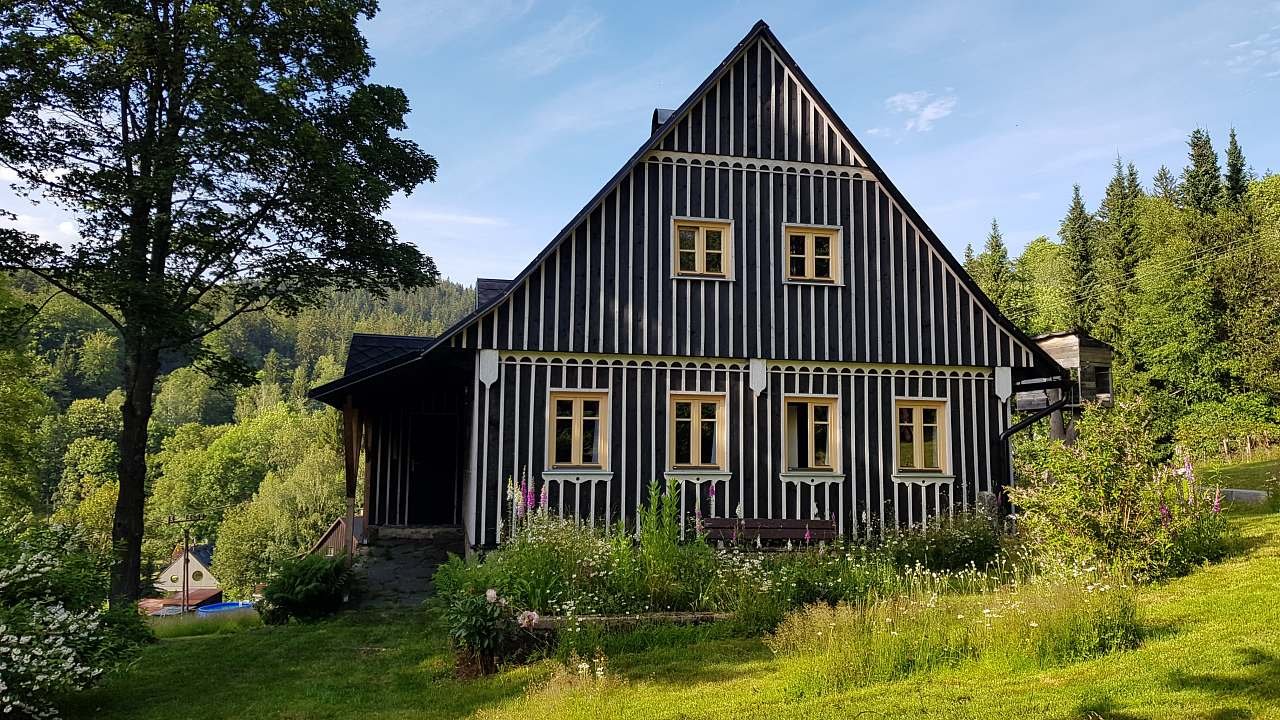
pixel 186 582
pixel 749 308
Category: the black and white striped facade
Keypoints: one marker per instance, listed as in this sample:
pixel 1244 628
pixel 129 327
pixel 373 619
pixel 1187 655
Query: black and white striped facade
pixel 601 308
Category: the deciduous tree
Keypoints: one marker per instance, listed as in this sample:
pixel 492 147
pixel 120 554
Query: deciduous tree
pixel 219 158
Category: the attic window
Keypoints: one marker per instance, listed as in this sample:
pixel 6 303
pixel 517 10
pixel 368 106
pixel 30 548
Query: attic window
pixel 701 248
pixel 812 254
pixel 197 576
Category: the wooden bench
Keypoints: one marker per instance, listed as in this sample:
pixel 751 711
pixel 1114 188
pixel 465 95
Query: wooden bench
pixel 751 529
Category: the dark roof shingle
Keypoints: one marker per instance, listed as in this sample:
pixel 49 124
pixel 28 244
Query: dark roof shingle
pixel 368 350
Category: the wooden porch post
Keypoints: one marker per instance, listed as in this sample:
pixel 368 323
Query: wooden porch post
pixel 351 468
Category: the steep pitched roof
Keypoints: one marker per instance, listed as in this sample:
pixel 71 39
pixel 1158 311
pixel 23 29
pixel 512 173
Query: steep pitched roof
pixel 665 121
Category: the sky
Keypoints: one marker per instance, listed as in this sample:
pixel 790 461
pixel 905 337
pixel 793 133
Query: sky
pixel 975 110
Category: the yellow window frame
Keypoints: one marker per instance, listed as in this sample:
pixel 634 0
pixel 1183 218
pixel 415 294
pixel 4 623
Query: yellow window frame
pixel 700 228
pixel 578 397
pixel 696 401
pixel 833 430
pixel 810 234
pixel 917 435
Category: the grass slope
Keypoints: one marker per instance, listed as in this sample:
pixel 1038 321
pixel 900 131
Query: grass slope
pixel 1215 653
pixel 1244 476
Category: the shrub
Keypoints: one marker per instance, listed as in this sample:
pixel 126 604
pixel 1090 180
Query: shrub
pixel 965 540
pixel 307 588
pixel 1106 497
pixel 55 636
pixel 482 629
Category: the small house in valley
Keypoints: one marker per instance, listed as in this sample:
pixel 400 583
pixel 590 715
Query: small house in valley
pixel 186 582
pixel 749 308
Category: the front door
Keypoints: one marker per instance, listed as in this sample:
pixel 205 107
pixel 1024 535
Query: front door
pixel 434 473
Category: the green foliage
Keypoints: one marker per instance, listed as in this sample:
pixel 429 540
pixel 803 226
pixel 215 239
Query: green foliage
pixel 1235 182
pixel 1107 498
pixel 55 635
pixel 22 403
pixel 1121 246
pixel 1000 279
pixel 195 625
pixel 1079 247
pixel 483 627
pixel 1043 268
pixel 947 544
pixel 308 588
pixel 1234 426
pixel 828 649
pixel 1202 178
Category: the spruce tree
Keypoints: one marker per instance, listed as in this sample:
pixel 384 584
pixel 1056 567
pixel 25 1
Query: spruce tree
pixel 995 273
pixel 1118 248
pixel 1077 234
pixel 1236 181
pixel 1165 185
pixel 968 258
pixel 1202 177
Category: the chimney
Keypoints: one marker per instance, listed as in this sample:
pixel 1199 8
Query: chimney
pixel 660 116
pixel 488 290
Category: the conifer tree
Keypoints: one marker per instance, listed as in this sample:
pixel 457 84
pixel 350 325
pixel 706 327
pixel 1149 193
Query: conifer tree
pixel 968 257
pixel 1078 243
pixel 1202 177
pixel 1236 181
pixel 1118 248
pixel 1165 185
pixel 996 274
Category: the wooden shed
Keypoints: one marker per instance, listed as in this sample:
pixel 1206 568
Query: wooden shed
pixel 1087 358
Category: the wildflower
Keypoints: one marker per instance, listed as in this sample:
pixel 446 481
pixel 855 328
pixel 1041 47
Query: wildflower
pixel 1165 515
pixel 807 534
pixel 711 490
pixel 491 595
pixel 1217 500
pixel 527 619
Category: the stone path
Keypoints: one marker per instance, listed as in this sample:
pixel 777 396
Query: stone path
pixel 398 563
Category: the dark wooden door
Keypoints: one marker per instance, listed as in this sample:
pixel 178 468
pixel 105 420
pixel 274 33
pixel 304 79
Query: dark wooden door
pixel 434 476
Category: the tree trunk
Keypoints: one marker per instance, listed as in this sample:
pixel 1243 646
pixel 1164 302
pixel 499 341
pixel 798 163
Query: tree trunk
pixel 141 365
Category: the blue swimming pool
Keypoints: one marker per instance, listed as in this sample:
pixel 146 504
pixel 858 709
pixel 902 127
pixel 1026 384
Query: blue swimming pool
pixel 224 607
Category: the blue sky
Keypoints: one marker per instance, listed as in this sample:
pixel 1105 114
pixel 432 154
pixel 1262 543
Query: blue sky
pixel 975 110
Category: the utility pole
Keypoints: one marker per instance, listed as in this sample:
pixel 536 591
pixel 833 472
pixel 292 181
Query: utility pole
pixel 186 555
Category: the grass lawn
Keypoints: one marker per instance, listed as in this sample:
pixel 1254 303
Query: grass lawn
pixel 1213 652
pixel 1244 476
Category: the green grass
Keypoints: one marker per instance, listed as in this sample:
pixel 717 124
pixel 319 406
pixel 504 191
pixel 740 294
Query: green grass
pixel 192 624
pixel 1212 651
pixel 1244 476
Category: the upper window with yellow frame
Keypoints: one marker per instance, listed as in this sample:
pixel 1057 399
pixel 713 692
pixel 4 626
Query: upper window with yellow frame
pixel 922 436
pixel 578 430
pixel 813 254
pixel 702 248
pixel 697 437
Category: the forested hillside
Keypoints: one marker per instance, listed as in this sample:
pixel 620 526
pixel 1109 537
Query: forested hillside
pixel 256 467
pixel 1182 277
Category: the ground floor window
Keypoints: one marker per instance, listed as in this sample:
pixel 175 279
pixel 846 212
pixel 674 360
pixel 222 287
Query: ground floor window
pixel 577 429
pixel 812 432
pixel 697 432
pixel 922 435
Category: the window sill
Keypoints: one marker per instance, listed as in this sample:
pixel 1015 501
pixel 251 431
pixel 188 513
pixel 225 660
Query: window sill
pixel 712 278
pixel 695 475
pixel 812 477
pixel 908 478
pixel 813 283
pixel 577 475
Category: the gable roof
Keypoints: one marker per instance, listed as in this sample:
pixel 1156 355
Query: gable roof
pixel 664 121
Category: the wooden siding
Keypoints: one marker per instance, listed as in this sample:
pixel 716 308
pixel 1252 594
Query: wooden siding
pixel 755 149
pixel 513 411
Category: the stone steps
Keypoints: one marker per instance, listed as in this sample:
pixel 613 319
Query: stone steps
pixel 398 563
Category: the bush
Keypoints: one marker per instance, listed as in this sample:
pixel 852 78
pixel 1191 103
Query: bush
pixel 482 629
pixel 948 544
pixel 1107 498
pixel 55 636
pixel 307 588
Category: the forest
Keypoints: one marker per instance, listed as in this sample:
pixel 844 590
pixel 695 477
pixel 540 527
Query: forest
pixel 1181 274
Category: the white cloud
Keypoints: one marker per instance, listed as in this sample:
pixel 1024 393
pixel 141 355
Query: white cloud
pixel 922 108
pixel 550 48
pixel 8 175
pixel 68 228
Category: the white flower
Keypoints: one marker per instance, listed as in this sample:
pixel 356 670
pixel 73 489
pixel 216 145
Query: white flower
pixel 491 595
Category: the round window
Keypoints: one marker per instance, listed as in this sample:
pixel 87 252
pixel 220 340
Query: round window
pixel 197 576
pixel 173 579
